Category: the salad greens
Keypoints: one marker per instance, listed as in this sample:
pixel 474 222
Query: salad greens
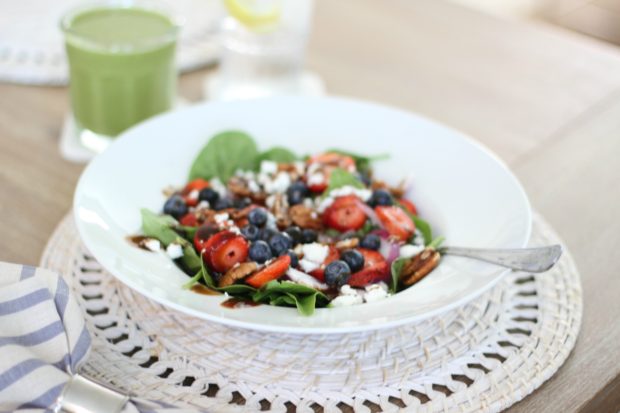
pixel 223 155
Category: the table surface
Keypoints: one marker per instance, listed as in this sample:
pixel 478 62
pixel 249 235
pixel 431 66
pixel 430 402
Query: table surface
pixel 545 100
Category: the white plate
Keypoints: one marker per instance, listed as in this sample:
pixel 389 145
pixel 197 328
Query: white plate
pixel 467 194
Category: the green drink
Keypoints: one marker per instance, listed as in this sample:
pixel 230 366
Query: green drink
pixel 121 63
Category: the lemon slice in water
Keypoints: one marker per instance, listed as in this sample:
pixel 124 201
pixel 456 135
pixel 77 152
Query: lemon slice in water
pixel 258 15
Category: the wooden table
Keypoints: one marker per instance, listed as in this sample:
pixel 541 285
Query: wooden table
pixel 546 100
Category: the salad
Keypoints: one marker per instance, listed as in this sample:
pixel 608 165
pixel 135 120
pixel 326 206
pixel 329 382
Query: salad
pixel 275 228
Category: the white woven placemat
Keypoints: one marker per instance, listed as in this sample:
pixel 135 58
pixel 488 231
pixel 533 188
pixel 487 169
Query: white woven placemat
pixel 482 357
pixel 32 49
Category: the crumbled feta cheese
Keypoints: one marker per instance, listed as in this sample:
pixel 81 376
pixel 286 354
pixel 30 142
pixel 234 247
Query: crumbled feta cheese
pixel 408 250
pixel 271 221
pixel 218 186
pixel 314 167
pixel 253 186
pixel 298 249
pixel 315 252
pixel 316 179
pixel 305 279
pixel 203 205
pixel 221 218
pixel 348 290
pixel 308 203
pixel 278 185
pixel 308 266
pixel 268 167
pixel 300 167
pixel 174 251
pixel 362 193
pixel 235 229
pixel 193 195
pixel 376 292
pixel 152 244
pixel 418 238
pixel 270 201
pixel 346 300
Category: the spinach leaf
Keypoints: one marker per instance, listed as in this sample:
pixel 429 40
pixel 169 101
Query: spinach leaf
pixel 436 242
pixel 190 260
pixel 189 232
pixel 192 281
pixel 291 294
pixel 238 290
pixel 277 154
pixel 362 162
pixel 159 226
pixel 223 155
pixel 339 178
pixel 368 227
pixel 397 268
pixel 422 225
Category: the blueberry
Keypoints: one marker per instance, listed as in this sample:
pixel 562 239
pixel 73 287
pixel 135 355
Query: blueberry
pixel 354 259
pixel 371 242
pixel 296 193
pixel 266 233
pixel 280 243
pixel 222 203
pixel 260 252
pixel 308 236
pixel 258 217
pixel 250 232
pixel 208 195
pixel 337 273
pixel 295 233
pixel 380 197
pixel 241 203
pixel 175 206
pixel 294 258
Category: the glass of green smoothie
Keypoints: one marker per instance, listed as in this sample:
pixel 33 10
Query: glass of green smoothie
pixel 121 64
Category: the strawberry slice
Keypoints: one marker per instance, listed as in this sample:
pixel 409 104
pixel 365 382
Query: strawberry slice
pixel 332 255
pixel 345 214
pixel 375 269
pixel 271 272
pixel 229 252
pixel 189 220
pixel 409 206
pixel 395 221
pixel 205 237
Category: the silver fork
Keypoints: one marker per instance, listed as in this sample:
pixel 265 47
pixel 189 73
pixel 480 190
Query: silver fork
pixel 538 259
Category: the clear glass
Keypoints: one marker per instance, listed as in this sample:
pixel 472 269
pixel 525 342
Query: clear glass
pixel 265 62
pixel 121 64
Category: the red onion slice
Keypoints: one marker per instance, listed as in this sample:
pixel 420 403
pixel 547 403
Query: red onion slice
pixel 370 213
pixel 305 279
pixel 389 250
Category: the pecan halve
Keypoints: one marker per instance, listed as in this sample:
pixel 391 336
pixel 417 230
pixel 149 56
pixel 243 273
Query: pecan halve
pixel 239 187
pixel 348 243
pixel 419 266
pixel 237 273
pixel 305 217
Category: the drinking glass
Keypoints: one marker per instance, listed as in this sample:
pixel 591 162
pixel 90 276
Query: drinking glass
pixel 263 50
pixel 121 65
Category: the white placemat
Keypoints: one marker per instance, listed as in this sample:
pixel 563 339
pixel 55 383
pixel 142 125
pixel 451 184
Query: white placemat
pixel 32 50
pixel 482 357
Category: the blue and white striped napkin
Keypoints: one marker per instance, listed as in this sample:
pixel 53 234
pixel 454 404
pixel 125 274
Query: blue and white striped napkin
pixel 43 341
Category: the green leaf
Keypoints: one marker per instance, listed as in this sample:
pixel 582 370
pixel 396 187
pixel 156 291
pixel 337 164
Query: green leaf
pixel 238 290
pixel 368 227
pixel 397 268
pixel 189 232
pixel 223 155
pixel 159 226
pixel 277 154
pixel 362 162
pixel 436 242
pixel 306 304
pixel 422 225
pixel 291 294
pixel 190 260
pixel 192 281
pixel 339 178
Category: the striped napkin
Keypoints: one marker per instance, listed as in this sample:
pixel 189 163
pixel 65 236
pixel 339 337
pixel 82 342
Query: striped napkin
pixel 43 342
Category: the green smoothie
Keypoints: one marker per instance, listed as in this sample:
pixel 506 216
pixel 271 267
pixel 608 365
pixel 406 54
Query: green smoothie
pixel 121 66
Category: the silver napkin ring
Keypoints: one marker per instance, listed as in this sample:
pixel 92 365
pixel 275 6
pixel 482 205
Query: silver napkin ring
pixel 82 395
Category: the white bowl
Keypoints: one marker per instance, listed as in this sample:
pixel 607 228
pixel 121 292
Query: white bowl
pixel 464 191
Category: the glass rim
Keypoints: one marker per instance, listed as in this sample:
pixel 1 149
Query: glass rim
pixel 154 6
